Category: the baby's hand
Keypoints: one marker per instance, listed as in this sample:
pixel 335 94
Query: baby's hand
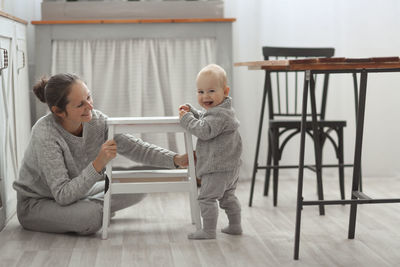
pixel 183 109
pixel 182 113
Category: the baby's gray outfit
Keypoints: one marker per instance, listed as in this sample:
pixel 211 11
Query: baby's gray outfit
pixel 218 151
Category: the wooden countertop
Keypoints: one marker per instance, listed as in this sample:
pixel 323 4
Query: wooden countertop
pixel 6 15
pixel 339 63
pixel 117 21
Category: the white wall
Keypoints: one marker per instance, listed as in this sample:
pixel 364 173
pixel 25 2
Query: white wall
pixel 356 28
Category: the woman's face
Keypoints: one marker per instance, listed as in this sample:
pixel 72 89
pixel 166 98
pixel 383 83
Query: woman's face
pixel 80 104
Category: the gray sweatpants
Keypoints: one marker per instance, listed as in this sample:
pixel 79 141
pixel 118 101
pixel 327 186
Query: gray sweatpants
pixel 219 186
pixel 82 217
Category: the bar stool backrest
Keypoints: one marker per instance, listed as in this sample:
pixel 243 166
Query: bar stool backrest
pixel 285 87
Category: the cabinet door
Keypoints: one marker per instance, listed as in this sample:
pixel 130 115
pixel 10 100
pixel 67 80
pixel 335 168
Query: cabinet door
pixel 4 48
pixel 8 167
pixel 15 122
pixel 21 96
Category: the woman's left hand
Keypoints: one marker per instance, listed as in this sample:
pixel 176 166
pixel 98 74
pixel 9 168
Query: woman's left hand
pixel 181 160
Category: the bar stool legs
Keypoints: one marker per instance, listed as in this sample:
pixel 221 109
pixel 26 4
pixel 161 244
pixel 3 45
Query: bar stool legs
pixel 268 170
pixel 341 162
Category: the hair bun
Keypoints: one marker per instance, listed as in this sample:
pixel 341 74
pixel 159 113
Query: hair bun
pixel 39 87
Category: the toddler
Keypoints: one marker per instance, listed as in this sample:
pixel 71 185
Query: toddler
pixel 218 151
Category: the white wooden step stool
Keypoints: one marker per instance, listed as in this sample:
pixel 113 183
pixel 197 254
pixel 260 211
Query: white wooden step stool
pixel 150 181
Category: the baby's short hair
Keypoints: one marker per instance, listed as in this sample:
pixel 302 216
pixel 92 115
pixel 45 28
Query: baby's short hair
pixel 217 71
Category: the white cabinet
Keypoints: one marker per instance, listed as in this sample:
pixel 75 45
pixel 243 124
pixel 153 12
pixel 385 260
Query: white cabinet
pixel 14 110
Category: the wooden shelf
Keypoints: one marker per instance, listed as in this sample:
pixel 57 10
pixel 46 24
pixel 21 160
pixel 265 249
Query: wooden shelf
pixel 134 21
pixel 3 14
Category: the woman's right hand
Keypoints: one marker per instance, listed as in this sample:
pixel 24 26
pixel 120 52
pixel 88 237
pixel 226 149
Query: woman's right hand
pixel 107 152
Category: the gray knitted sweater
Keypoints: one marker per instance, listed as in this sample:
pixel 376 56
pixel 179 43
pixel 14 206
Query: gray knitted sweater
pixel 219 144
pixel 58 165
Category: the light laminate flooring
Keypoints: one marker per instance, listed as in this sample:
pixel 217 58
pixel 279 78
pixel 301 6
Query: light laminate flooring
pixel 154 233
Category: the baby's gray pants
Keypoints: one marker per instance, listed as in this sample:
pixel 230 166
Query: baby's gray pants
pixel 219 186
pixel 82 217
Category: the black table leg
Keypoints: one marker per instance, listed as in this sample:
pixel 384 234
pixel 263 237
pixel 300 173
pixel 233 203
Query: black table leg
pixel 317 145
pixel 255 166
pixel 357 152
pixel 356 107
pixel 299 206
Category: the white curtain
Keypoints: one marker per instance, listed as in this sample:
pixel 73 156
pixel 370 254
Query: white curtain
pixel 138 77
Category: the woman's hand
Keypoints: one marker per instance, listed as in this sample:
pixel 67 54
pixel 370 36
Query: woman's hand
pixel 181 160
pixel 107 152
pixel 183 109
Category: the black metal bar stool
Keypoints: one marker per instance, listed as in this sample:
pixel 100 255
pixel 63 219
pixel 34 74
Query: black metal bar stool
pixel 284 108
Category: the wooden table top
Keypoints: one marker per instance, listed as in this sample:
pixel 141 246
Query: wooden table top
pixel 334 63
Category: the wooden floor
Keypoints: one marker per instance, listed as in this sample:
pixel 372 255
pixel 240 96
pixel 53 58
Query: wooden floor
pixel 153 233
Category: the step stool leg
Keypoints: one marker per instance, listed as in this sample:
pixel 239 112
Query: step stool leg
pixel 107 194
pixel 106 213
pixel 194 205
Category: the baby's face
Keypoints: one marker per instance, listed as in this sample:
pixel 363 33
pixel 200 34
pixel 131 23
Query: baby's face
pixel 209 91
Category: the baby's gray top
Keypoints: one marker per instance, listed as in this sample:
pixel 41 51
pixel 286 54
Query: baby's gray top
pixel 219 144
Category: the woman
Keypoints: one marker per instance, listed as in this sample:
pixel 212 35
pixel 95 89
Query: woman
pixel 61 181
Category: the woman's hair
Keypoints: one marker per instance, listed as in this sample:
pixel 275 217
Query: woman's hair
pixel 55 90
